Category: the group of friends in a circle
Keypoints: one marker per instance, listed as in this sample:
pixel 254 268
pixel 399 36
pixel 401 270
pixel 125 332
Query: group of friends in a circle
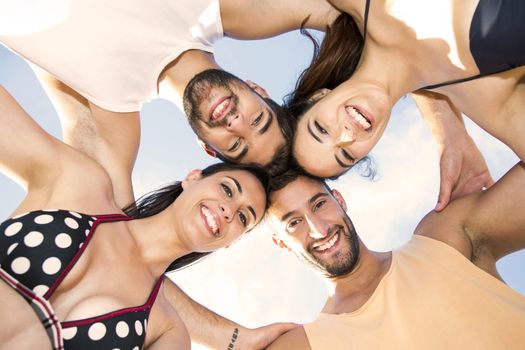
pixel 73 289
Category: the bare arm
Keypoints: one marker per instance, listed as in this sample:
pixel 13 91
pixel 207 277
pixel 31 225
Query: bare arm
pixel 463 169
pixel 215 331
pixel 110 138
pixel 25 148
pixel 294 339
pixel 257 19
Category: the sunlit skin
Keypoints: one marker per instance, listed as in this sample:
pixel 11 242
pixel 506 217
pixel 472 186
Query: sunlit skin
pixel 215 211
pixel 244 129
pixel 329 139
pixel 311 221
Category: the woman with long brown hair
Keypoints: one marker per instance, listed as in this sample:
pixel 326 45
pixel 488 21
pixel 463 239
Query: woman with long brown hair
pixel 469 52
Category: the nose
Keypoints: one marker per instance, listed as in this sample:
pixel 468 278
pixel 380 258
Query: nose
pixel 236 123
pixel 226 212
pixel 347 136
pixel 318 229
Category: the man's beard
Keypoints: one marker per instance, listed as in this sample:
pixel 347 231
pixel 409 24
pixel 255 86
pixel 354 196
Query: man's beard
pixel 343 261
pixel 198 90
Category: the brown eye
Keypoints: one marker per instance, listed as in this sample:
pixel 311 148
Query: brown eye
pixel 243 218
pixel 319 204
pixel 320 128
pixel 226 189
pixel 292 225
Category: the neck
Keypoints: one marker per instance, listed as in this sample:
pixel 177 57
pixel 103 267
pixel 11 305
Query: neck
pixel 354 289
pixel 156 241
pixel 389 72
pixel 176 76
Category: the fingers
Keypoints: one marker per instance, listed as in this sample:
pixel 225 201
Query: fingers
pixel 489 182
pixel 475 184
pixel 448 176
pixel 445 190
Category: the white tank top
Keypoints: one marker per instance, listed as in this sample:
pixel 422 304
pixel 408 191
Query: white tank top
pixel 113 51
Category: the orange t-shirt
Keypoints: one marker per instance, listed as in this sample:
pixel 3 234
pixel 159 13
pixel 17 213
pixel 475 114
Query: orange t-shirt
pixel 432 297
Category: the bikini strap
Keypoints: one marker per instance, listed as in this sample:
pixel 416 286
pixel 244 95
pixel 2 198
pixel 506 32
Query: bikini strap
pixel 112 217
pixel 154 293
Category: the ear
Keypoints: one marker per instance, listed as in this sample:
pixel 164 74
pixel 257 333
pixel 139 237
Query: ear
pixel 210 151
pixel 192 176
pixel 339 198
pixel 257 88
pixel 319 94
pixel 278 242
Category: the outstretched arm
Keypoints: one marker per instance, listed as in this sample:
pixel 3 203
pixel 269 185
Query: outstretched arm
pixel 217 332
pixel 110 138
pixel 28 154
pixel 463 169
pixel 257 19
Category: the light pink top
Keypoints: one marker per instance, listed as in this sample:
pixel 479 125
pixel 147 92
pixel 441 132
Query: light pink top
pixel 431 298
pixel 112 51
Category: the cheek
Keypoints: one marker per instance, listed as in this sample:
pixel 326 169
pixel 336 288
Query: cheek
pixel 218 138
pixel 363 148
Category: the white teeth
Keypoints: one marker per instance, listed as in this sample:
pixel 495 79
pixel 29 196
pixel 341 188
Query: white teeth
pixel 358 117
pixel 210 220
pixel 219 110
pixel 328 244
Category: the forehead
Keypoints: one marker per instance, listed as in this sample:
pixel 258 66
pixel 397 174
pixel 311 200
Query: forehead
pixel 295 196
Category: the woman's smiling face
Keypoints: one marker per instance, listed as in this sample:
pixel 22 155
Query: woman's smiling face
pixel 341 128
pixel 219 208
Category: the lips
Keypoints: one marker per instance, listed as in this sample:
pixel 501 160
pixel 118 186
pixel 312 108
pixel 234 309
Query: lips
pixel 220 108
pixel 211 221
pixel 326 245
pixel 359 117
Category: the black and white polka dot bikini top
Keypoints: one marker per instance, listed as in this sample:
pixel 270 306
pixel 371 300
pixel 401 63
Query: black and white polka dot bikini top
pixel 39 248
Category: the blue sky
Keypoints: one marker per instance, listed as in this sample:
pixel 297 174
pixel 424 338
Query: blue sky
pixel 253 282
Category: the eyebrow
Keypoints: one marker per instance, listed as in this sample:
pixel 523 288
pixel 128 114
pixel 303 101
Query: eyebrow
pixel 312 133
pixel 268 122
pixel 237 184
pixel 316 196
pixel 239 188
pixel 310 201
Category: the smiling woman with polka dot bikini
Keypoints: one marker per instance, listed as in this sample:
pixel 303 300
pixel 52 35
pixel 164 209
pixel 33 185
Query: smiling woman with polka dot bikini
pixel 76 272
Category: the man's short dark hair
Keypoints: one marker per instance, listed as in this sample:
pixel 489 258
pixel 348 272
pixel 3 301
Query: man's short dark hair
pixel 282 180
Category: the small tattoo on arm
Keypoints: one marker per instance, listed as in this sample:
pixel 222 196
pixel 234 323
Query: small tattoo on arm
pixel 234 338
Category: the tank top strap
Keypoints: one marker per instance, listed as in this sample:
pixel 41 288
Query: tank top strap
pixel 367 8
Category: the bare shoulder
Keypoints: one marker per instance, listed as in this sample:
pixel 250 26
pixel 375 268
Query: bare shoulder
pixel 294 339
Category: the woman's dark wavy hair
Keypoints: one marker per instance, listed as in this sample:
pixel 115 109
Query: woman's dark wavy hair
pixel 156 201
pixel 333 62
